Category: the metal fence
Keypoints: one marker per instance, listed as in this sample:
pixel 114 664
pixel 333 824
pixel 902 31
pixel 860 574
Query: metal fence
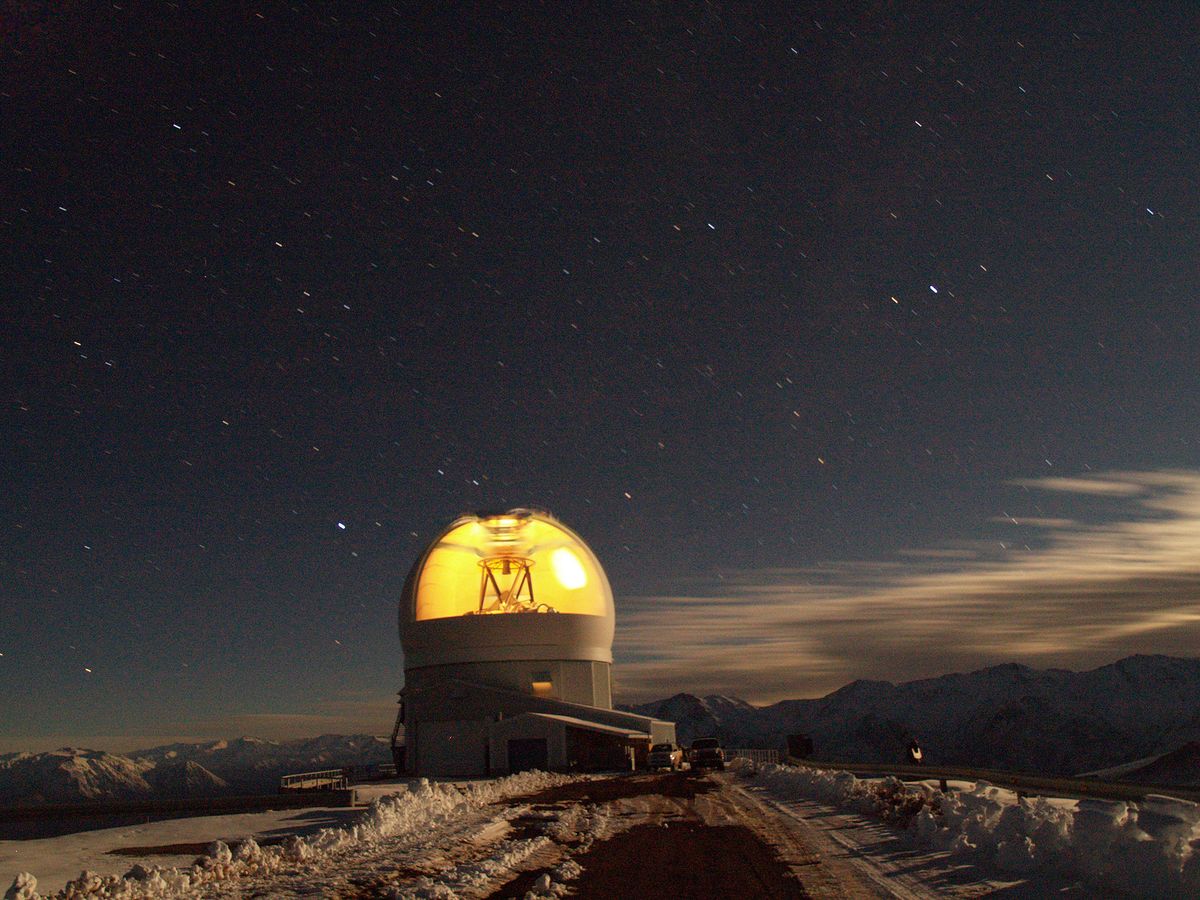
pixel 327 780
pixel 758 757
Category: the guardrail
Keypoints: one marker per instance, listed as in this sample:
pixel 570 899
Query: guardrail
pixel 1023 783
pixel 327 780
pixel 758 757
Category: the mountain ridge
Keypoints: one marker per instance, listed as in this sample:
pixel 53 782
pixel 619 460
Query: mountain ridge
pixel 171 771
pixel 1008 716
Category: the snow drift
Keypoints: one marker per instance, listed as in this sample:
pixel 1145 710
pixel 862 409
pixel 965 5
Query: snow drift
pixel 1148 849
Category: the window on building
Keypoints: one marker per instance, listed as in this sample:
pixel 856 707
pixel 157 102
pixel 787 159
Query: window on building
pixel 542 684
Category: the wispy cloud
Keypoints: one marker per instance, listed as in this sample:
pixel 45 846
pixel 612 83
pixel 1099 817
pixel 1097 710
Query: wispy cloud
pixel 1087 594
pixel 1103 485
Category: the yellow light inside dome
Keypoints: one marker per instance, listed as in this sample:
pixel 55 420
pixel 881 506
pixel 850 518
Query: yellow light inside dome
pixel 568 569
pixel 566 576
pixel 501 522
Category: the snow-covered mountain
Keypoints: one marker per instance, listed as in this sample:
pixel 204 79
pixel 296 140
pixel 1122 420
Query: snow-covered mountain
pixel 1009 716
pixel 68 775
pixel 185 779
pixel 735 721
pixel 252 765
pixel 241 766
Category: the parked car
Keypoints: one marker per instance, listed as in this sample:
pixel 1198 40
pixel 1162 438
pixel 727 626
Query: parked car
pixel 706 753
pixel 665 756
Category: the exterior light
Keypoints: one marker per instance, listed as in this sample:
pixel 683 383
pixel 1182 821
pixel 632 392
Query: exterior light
pixel 542 684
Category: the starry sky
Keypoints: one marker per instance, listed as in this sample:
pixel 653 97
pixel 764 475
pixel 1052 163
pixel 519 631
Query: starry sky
pixel 858 340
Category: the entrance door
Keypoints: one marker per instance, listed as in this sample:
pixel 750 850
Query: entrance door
pixel 527 753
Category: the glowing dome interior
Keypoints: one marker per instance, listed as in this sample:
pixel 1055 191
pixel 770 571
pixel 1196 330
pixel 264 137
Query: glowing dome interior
pixel 518 562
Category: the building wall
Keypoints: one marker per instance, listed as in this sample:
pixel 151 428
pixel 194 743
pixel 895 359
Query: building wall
pixel 576 681
pixel 463 640
pixel 555 734
pixel 567 746
pixel 602 685
pixel 447 720
pixel 662 732
pixel 591 751
pixel 453 748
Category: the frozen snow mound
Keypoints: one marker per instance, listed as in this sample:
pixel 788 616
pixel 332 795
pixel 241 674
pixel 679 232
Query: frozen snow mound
pixel 1147 849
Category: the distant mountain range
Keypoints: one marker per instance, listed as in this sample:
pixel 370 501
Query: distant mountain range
pixel 1014 717
pixel 1137 719
pixel 215 768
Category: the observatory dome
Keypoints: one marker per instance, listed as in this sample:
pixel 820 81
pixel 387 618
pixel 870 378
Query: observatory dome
pixel 515 585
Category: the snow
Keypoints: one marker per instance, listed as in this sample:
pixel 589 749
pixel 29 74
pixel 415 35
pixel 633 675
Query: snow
pixel 410 815
pixel 59 859
pixel 1151 849
pixel 469 837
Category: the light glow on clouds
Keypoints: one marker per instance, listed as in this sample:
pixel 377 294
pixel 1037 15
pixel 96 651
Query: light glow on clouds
pixel 1088 593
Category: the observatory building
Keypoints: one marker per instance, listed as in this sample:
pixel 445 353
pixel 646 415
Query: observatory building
pixel 506 622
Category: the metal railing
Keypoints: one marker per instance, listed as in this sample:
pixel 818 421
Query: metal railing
pixel 327 780
pixel 370 772
pixel 758 757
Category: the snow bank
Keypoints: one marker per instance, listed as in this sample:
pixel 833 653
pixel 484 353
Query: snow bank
pixel 421 807
pixel 576 826
pixel 1151 849
pixel 470 876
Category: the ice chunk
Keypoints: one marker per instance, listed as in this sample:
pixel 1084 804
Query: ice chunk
pixel 24 887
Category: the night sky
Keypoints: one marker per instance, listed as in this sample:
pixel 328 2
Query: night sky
pixel 856 341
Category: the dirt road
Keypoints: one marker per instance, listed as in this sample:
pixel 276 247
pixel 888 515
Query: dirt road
pixel 678 835
pixel 690 836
